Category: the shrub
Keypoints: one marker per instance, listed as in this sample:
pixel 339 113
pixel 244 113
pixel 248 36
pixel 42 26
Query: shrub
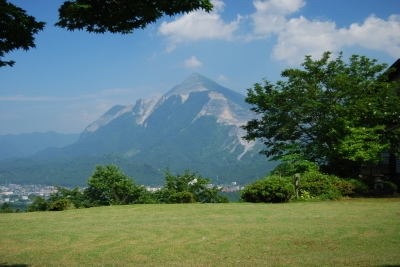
pixel 322 186
pixel 390 186
pixel 61 204
pixel 181 197
pixel 345 187
pixel 360 188
pixel 38 204
pixel 177 186
pixel 273 189
pixel 5 208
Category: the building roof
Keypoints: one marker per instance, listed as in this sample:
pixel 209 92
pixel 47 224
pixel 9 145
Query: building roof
pixel 395 76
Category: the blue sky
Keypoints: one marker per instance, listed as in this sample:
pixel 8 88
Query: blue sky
pixel 72 78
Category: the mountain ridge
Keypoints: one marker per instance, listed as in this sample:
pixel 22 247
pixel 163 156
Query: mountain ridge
pixel 195 125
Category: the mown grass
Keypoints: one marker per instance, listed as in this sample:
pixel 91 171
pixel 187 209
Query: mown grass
pixel 360 232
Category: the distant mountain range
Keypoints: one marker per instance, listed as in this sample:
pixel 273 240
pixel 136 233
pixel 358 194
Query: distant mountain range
pixel 23 145
pixel 196 126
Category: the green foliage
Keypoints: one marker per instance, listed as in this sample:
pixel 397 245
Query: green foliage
pixel 5 208
pixel 273 189
pixel 181 197
pixel 98 16
pixel 294 163
pixel 38 204
pixel 74 196
pixel 338 114
pixel 360 188
pixel 363 144
pixel 188 188
pixel 17 30
pixel 62 204
pixel 320 186
pixel 122 16
pixel 390 186
pixel 345 187
pixel 316 185
pixel 109 186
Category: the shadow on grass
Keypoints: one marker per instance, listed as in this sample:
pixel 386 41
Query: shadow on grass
pixel 5 264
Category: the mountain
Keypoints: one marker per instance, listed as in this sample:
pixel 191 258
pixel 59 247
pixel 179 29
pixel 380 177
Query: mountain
pixel 23 145
pixel 195 125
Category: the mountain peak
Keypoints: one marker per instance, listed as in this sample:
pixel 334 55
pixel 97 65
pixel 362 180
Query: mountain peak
pixel 193 83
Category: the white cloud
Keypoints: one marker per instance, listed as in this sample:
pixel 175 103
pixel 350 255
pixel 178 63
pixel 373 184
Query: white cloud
pixel 303 37
pixel 270 15
pixel 192 62
pixel 297 37
pixel 222 78
pixel 375 33
pixel 199 25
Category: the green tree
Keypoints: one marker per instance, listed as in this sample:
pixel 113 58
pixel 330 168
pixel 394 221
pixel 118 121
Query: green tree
pixel 97 16
pixel 38 204
pixel 122 16
pixel 109 186
pixel 5 208
pixel 75 196
pixel 188 188
pixel 338 114
pixel 17 30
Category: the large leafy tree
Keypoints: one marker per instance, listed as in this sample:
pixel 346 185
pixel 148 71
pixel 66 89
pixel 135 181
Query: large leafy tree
pixel 336 113
pixel 17 29
pixel 187 188
pixel 122 16
pixel 109 186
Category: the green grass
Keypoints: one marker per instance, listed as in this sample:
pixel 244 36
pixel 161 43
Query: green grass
pixel 359 232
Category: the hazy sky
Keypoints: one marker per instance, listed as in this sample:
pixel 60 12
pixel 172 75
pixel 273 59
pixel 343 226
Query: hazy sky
pixel 72 78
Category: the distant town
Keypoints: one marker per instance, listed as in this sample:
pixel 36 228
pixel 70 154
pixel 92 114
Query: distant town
pixel 24 194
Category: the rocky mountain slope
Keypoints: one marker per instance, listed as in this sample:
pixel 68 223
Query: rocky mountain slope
pixel 195 125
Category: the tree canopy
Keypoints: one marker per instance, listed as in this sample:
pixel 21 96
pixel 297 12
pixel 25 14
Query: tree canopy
pixel 17 29
pixel 187 188
pixel 336 113
pixel 122 16
pixel 109 186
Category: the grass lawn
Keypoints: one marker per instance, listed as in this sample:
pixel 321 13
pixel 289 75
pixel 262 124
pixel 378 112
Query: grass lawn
pixel 355 232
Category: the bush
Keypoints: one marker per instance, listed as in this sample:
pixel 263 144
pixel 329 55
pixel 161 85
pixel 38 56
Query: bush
pixel 62 204
pixel 38 204
pixel 178 186
pixel 181 197
pixel 390 186
pixel 345 187
pixel 273 189
pixel 322 186
pixel 5 208
pixel 360 188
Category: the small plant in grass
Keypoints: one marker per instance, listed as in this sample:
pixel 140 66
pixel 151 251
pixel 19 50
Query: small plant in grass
pixel 304 195
pixel 273 189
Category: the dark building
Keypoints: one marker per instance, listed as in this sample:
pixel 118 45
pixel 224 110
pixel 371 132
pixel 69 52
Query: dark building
pixel 389 167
